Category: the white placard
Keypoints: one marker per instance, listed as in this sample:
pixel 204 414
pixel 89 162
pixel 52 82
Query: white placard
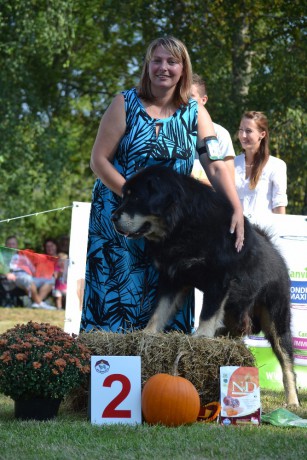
pixel 76 269
pixel 116 389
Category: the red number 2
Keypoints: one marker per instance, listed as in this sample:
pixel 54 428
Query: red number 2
pixel 110 411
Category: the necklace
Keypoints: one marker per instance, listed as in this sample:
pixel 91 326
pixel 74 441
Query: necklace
pixel 249 166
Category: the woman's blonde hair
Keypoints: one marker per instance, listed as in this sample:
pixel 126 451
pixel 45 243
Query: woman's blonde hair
pixel 178 50
pixel 263 153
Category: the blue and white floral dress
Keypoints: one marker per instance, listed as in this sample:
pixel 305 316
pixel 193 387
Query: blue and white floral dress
pixel 121 281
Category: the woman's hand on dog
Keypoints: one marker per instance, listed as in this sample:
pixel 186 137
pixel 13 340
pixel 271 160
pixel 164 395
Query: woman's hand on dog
pixel 237 225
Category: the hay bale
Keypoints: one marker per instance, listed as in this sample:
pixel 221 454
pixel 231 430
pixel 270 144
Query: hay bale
pixel 198 359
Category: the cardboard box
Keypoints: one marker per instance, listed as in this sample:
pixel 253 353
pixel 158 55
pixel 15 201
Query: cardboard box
pixel 240 396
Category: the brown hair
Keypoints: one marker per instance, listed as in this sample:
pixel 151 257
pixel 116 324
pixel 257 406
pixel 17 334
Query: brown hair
pixel 200 83
pixel 179 51
pixel 262 155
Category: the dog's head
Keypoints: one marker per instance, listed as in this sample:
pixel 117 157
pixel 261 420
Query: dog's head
pixel 148 198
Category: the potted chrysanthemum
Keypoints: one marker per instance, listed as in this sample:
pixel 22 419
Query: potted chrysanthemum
pixel 39 364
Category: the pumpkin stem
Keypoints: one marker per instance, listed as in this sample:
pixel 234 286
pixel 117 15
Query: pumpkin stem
pixel 176 362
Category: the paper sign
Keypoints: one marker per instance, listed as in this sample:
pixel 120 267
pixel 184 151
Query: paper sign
pixel 116 389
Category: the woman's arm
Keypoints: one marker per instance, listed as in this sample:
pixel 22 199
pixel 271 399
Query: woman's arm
pixel 111 129
pixel 279 187
pixel 220 178
pixel 279 210
pixel 230 164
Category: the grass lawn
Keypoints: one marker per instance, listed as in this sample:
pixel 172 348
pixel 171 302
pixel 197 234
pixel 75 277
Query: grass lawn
pixel 71 435
pixel 9 317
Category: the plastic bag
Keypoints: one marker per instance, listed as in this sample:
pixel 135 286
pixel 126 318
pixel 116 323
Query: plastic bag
pixel 283 417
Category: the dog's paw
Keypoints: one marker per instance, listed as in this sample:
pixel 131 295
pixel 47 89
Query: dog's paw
pixel 201 335
pixel 150 330
pixel 292 405
pixel 197 335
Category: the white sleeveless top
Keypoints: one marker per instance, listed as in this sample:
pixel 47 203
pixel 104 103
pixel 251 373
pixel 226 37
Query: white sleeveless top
pixel 270 192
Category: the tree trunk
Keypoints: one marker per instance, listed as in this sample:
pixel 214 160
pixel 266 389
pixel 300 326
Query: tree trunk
pixel 241 63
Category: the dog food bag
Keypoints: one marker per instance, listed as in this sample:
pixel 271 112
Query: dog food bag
pixel 240 395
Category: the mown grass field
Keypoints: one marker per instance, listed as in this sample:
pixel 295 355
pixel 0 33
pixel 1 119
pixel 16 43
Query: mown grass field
pixel 9 317
pixel 71 435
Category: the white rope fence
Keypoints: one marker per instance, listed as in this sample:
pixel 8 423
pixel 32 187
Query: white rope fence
pixel 35 214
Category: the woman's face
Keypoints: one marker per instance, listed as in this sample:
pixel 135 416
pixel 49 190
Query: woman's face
pixel 50 248
pixel 164 70
pixel 249 135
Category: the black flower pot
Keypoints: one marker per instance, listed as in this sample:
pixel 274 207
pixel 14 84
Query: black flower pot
pixel 36 408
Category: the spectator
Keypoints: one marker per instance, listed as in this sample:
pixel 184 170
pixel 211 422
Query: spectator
pixel 44 267
pixel 11 242
pixel 10 294
pixel 60 275
pixel 50 247
pixel 6 255
pixel 261 179
pixel 63 244
pixel 22 272
pixel 199 93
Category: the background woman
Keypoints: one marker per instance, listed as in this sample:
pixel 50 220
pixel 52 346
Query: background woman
pixel 261 179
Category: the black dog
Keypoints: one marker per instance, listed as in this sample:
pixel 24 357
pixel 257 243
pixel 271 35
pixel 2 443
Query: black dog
pixel 187 226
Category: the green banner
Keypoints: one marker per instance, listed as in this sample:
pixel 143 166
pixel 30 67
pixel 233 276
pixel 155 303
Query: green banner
pixel 270 374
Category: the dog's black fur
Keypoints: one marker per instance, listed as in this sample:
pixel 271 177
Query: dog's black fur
pixel 187 226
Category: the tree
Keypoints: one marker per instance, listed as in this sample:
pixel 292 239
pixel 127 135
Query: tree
pixel 38 131
pixel 63 61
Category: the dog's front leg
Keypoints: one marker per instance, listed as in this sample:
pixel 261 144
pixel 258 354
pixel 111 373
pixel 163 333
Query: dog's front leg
pixel 212 313
pixel 208 327
pixel 170 301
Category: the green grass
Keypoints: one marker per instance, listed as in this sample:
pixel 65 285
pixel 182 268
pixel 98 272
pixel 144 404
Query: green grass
pixel 71 436
pixel 9 317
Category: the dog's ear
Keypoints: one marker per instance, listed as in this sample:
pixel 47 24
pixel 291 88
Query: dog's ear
pixel 171 210
pixel 153 184
pixel 161 199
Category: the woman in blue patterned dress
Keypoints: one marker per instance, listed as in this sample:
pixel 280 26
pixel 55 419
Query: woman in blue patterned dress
pixel 156 123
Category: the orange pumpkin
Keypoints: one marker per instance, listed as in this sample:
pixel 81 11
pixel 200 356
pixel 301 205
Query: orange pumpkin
pixel 170 400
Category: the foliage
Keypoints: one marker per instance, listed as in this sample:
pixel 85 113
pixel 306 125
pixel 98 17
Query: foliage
pixel 288 141
pixel 62 63
pixel 40 134
pixel 40 360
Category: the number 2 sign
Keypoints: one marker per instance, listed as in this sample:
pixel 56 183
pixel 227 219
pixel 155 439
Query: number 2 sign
pixel 115 389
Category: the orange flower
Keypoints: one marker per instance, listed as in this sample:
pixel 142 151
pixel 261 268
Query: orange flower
pixel 56 348
pixel 42 334
pixel 48 355
pixel 36 365
pixel 6 357
pixel 15 346
pixel 55 372
pixel 21 357
pixel 60 362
